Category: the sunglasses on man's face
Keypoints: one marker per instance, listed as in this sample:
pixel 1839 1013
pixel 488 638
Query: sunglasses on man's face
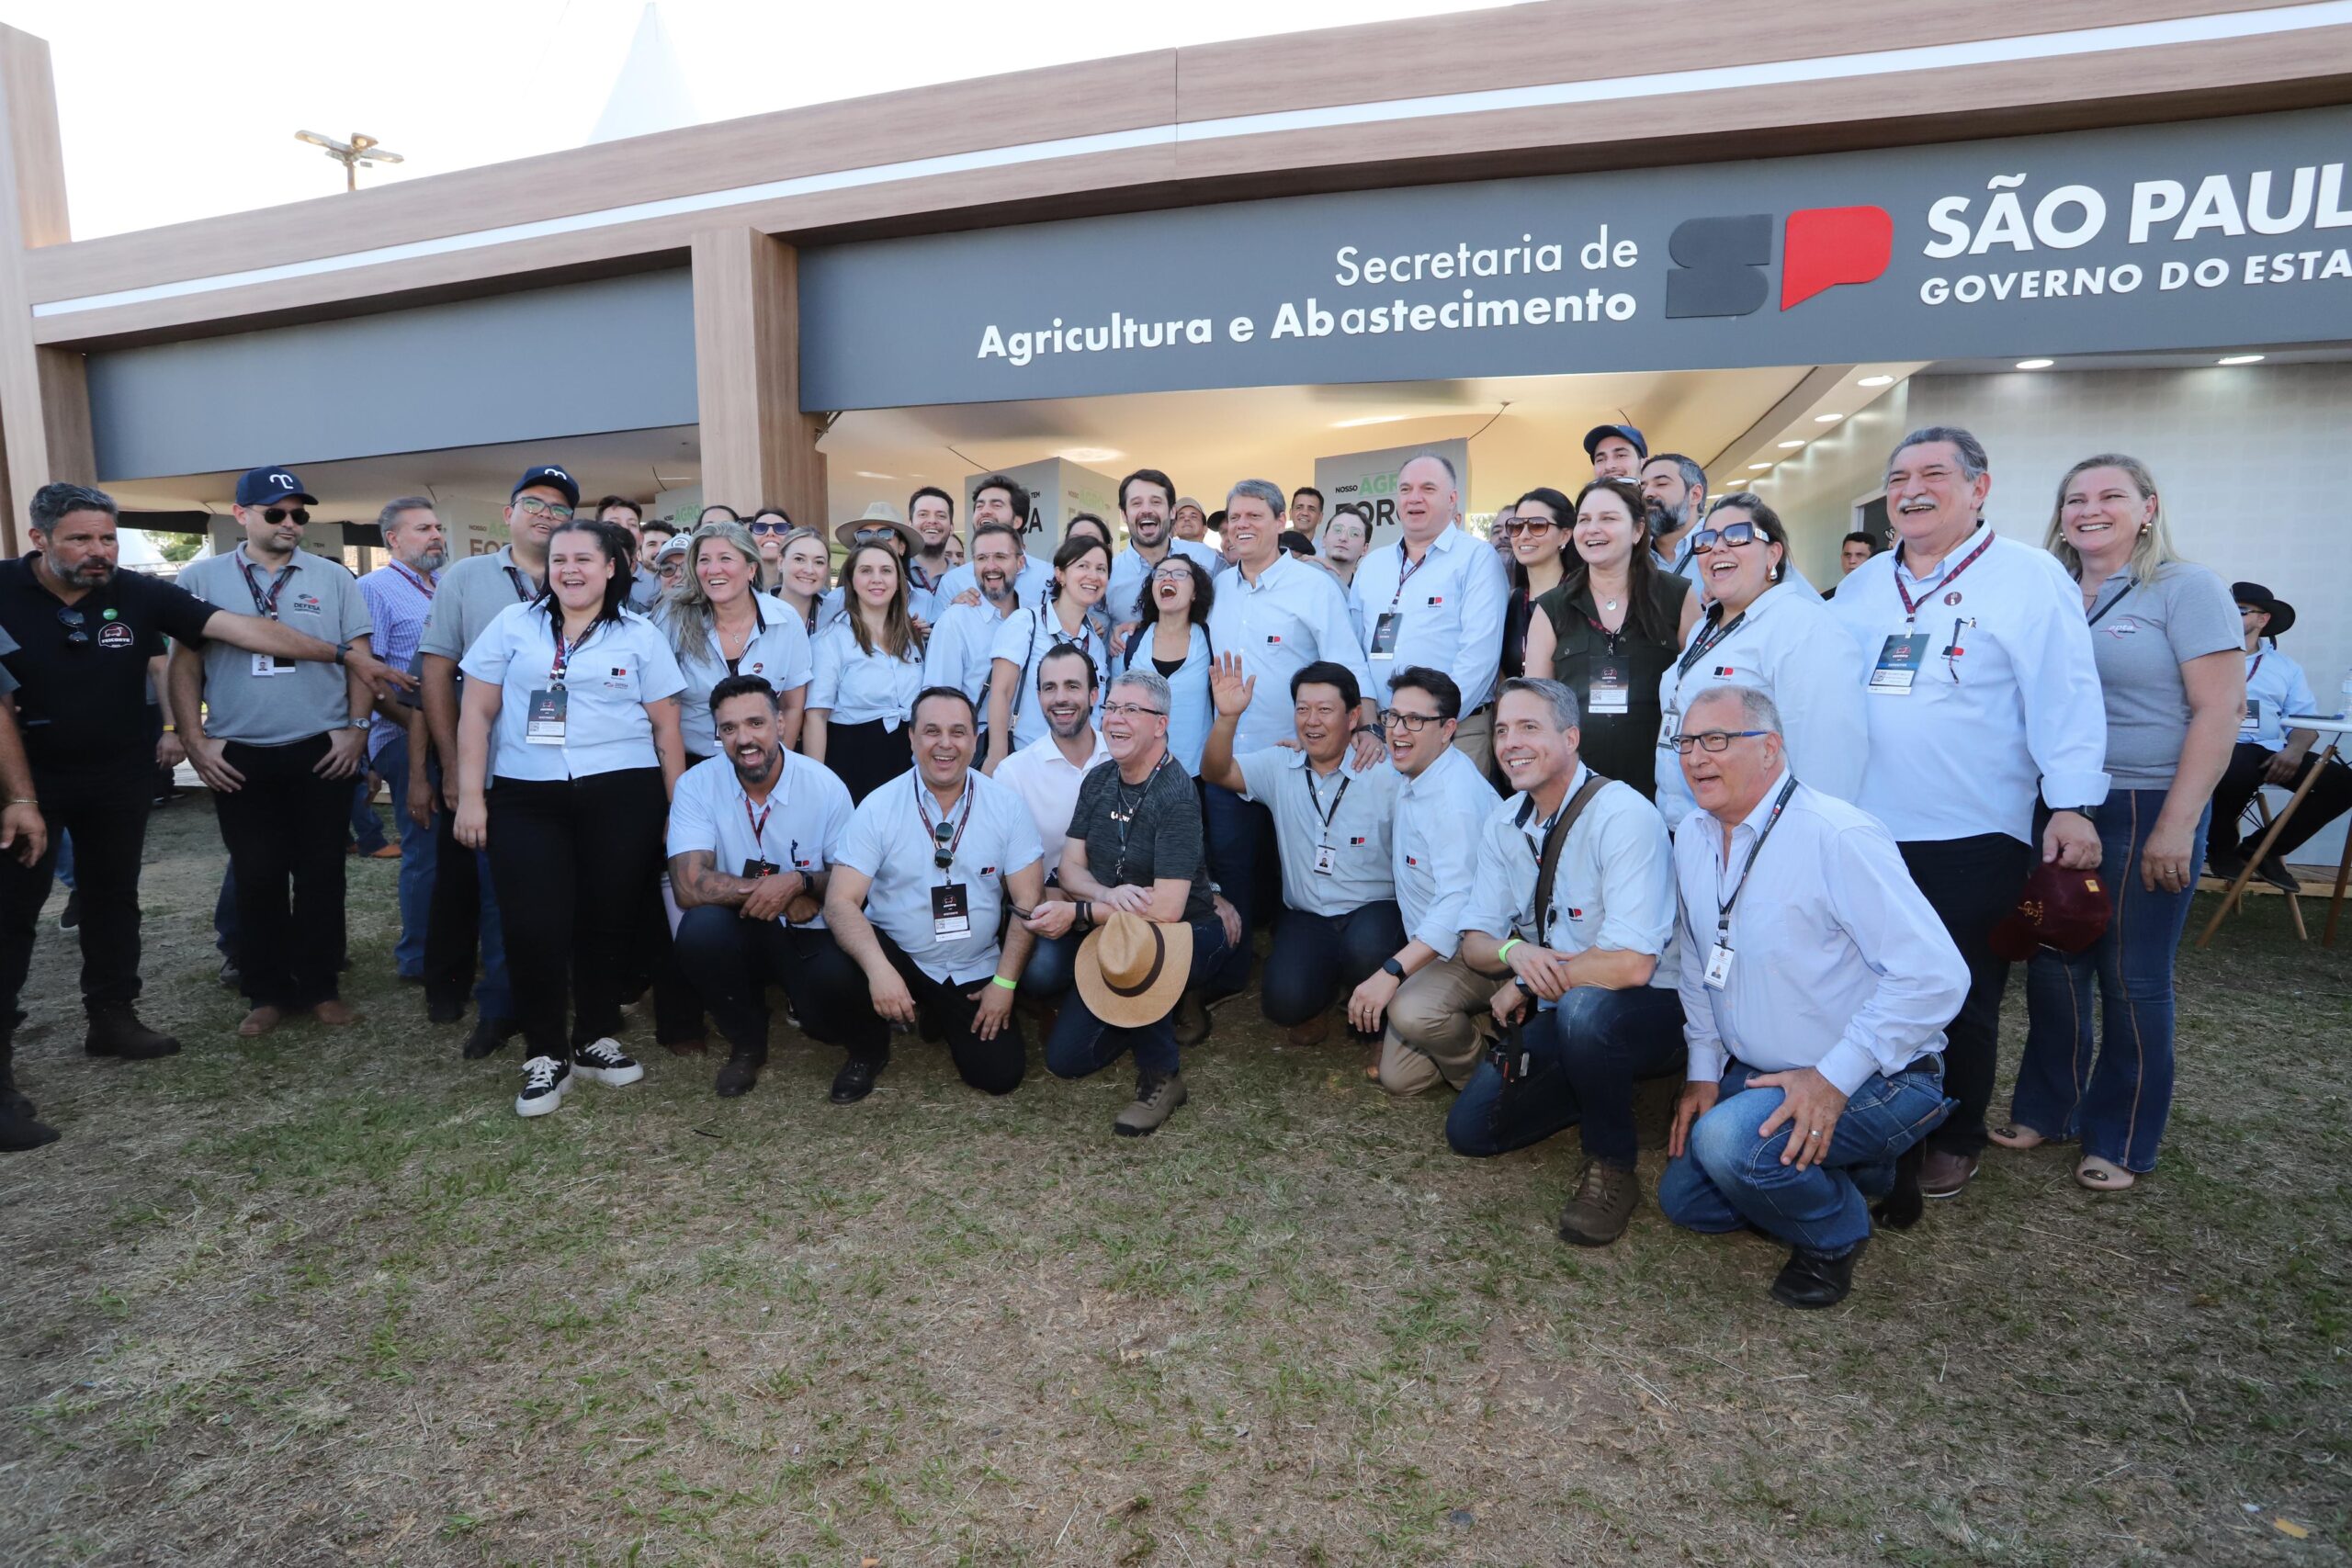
pixel 274 515
pixel 1730 534
pixel 872 536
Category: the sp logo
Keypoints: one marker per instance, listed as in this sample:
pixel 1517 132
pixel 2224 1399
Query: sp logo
pixel 1953 597
pixel 1722 264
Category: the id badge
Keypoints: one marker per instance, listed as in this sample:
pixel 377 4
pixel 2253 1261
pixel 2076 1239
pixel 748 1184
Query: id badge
pixel 1610 690
pixel 2253 720
pixel 1665 730
pixel 1383 635
pixel 1898 664
pixel 756 869
pixel 1324 858
pixel 543 719
pixel 951 911
pixel 266 665
pixel 1718 967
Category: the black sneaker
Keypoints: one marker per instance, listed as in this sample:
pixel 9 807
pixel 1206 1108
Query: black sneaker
pixel 69 916
pixel 489 1038
pixel 544 1081
pixel 603 1061
pixel 2224 865
pixel 2273 869
pixel 738 1077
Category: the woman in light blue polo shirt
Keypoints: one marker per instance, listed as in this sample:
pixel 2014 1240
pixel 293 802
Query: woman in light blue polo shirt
pixel 1173 639
pixel 868 668
pixel 1072 614
pixel 719 625
pixel 570 702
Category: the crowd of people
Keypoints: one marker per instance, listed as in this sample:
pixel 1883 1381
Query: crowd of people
pixel 1620 797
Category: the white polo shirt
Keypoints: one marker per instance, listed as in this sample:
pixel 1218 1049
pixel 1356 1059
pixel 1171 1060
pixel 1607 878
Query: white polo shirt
pixel 1614 888
pixel 849 685
pixel 958 652
pixel 1448 608
pixel 1294 616
pixel 609 678
pixel 889 842
pixel 1838 962
pixel 802 828
pixel 1435 850
pixel 2005 690
pixel 1349 812
pixel 1788 645
pixel 1048 784
pixel 777 653
pixel 1024 639
pixel 1130 576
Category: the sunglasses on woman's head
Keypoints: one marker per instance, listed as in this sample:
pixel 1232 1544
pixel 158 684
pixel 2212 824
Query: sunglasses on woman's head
pixel 1728 534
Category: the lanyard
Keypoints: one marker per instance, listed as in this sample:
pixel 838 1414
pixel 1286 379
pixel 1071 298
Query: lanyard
pixel 1708 637
pixel 264 607
pixel 1911 606
pixel 2253 668
pixel 563 653
pixel 1315 797
pixel 930 833
pixel 1723 906
pixel 2112 603
pixel 1126 819
pixel 1405 567
pixel 522 584
pixel 414 580
pixel 760 822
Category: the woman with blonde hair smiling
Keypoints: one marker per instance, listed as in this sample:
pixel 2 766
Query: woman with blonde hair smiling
pixel 720 624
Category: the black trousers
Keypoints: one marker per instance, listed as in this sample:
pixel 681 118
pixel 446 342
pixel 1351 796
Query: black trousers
pixel 2329 798
pixel 106 813
pixel 1319 959
pixel 993 1066
pixel 453 926
pixel 571 859
pixel 732 961
pixel 1971 884
pixel 285 828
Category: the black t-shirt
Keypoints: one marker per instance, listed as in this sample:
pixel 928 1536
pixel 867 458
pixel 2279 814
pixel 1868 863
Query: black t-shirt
pixel 1161 838
pixel 83 704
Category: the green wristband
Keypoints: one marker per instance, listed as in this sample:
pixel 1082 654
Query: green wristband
pixel 1000 980
pixel 1502 954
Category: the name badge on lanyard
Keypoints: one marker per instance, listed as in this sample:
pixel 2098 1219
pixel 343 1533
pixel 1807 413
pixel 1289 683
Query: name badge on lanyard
pixel 1383 635
pixel 1611 689
pixel 2253 720
pixel 265 665
pixel 1718 966
pixel 543 721
pixel 1325 856
pixel 1898 663
pixel 951 910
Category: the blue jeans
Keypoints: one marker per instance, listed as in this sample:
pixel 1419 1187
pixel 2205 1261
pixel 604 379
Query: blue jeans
pixel 1081 1043
pixel 66 860
pixel 366 826
pixel 1730 1176
pixel 1052 963
pixel 1585 1057
pixel 2114 1091
pixel 417 850
pixel 1319 959
pixel 1241 852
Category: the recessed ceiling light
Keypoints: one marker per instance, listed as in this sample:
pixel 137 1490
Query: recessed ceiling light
pixel 2241 359
pixel 1791 445
pixel 1369 419
pixel 1757 468
pixel 870 474
pixel 1876 381
pixel 2035 364
pixel 1090 453
pixel 1827 417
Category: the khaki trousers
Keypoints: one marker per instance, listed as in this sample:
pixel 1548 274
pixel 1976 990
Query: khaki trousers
pixel 1433 1027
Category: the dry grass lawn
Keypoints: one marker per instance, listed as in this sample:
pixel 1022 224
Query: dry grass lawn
pixel 325 1299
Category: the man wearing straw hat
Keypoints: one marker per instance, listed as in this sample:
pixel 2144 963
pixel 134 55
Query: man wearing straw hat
pixel 1135 896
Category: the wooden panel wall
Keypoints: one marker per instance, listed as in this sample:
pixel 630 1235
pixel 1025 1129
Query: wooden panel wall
pixel 757 446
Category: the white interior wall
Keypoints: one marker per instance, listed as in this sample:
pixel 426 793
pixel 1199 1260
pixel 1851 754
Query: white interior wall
pixel 1814 490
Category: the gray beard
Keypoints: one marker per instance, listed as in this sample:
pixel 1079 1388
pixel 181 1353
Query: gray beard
pixel 430 562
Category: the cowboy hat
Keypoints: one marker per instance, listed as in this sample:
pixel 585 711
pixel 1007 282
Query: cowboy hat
pixel 881 514
pixel 1131 970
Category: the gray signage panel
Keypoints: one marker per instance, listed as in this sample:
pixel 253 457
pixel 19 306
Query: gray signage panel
pixel 2208 234
pixel 575 360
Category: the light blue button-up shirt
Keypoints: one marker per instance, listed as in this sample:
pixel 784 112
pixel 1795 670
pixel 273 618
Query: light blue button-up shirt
pixel 1614 888
pixel 1191 710
pixel 808 816
pixel 957 653
pixel 2274 687
pixel 1023 640
pixel 1361 806
pixel 1435 850
pixel 607 681
pixel 1294 616
pixel 1448 608
pixel 1130 576
pixel 1838 962
pixel 1036 576
pixel 849 685
pixel 887 841
pixel 778 653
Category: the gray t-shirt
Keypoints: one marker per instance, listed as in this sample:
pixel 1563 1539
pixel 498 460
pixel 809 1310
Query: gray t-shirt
pixel 471 593
pixel 252 698
pixel 2140 635
pixel 1163 836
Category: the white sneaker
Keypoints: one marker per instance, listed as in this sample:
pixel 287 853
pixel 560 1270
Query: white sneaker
pixel 544 1081
pixel 604 1061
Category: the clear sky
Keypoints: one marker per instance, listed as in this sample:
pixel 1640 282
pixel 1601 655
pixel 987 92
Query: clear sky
pixel 172 110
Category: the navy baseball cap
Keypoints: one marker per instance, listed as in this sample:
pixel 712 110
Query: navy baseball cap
pixel 1599 432
pixel 553 478
pixel 267 487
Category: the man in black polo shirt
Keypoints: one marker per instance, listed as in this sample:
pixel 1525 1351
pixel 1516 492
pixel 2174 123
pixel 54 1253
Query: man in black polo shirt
pixel 83 634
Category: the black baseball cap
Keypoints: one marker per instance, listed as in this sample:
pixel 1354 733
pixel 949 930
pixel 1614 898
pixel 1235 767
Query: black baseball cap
pixel 1291 539
pixel 1599 432
pixel 553 478
pixel 267 487
pixel 2281 614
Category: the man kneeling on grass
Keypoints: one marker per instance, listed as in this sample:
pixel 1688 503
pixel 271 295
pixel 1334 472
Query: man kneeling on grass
pixel 1573 904
pixel 1815 980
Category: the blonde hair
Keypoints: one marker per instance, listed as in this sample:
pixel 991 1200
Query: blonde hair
pixel 687 609
pixel 2153 548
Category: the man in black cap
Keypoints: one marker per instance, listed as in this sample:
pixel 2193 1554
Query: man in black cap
pixel 2267 752
pixel 81 635
pixel 1617 452
pixel 280 746
pixel 464 912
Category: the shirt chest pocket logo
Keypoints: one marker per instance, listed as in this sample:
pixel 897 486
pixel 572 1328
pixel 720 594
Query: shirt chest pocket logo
pixel 306 604
pixel 114 634
pixel 618 678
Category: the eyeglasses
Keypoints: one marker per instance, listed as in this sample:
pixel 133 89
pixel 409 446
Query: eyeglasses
pixel 1730 534
pixel 1713 741
pixel 1173 574
pixel 1410 723
pixel 773 526
pixel 1517 525
pixel 534 507
pixel 75 623
pixel 942 840
pixel 274 515
pixel 1129 710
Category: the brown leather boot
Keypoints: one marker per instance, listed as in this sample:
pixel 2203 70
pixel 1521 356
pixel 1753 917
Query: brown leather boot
pixel 1604 1203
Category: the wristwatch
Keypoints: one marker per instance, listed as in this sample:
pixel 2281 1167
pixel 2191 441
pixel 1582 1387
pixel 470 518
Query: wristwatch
pixel 357 723
pixel 1393 968
pixel 341 648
